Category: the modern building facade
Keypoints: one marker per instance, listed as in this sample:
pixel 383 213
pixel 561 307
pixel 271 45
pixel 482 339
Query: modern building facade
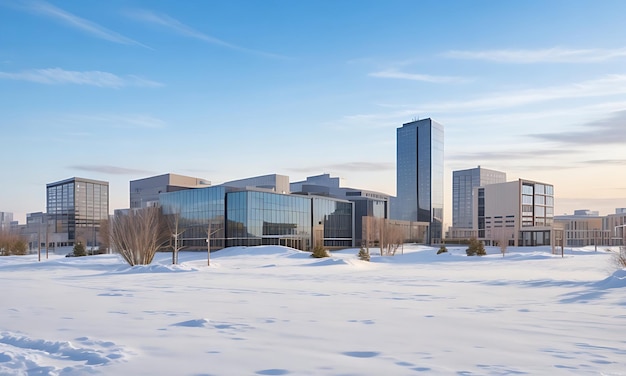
pixel 463 184
pixel 145 192
pixel 75 209
pixel 366 203
pixel 519 213
pixel 420 175
pixel 252 216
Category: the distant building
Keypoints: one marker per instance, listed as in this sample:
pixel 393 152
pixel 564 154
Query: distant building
pixel 145 192
pixel 75 209
pixel 366 203
pixel 616 225
pixel 420 175
pixel 5 220
pixel 273 182
pixel 520 213
pixel 583 228
pixel 463 184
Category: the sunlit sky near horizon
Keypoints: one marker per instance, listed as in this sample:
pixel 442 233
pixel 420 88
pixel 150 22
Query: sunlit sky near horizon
pixel 223 90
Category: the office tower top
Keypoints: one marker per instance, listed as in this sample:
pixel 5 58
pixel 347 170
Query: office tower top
pixel 420 175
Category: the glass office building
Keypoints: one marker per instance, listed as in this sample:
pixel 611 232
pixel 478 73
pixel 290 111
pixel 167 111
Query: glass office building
pixel 76 207
pixel 420 175
pixel 463 183
pixel 244 217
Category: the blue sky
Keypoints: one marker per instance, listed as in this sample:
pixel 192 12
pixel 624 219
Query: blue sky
pixel 122 90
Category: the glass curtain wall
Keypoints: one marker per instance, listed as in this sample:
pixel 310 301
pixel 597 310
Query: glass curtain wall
pixel 336 217
pixel 91 207
pixel 265 218
pixel 201 215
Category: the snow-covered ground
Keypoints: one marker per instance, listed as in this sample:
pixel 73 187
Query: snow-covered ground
pixel 276 311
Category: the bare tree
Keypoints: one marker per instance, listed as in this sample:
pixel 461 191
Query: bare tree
pixel 395 238
pixel 138 235
pixel 503 242
pixel 382 238
pixel 389 235
pixel 173 223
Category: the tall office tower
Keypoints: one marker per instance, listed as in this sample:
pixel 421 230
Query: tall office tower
pixel 463 182
pixel 76 207
pixel 419 175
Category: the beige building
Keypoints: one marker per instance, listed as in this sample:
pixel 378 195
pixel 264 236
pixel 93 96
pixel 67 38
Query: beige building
pixel 519 213
pixel 615 224
pixel 583 228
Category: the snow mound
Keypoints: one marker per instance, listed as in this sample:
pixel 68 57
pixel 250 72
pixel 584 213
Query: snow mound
pixel 155 268
pixel 44 357
pixel 616 280
pixel 260 250
pixel 328 261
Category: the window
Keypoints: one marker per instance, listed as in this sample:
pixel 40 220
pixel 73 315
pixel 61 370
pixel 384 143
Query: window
pixel 527 189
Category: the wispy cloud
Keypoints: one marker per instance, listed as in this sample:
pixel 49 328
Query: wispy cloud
pixel 112 170
pixel 50 11
pixel 58 76
pixel 419 77
pixel 602 162
pixel 504 155
pixel 117 121
pixel 548 55
pixel 187 31
pixel 602 132
pixel 606 86
pixel 349 166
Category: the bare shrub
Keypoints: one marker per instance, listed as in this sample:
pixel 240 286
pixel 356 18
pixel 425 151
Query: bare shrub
pixel 138 235
pixel 12 244
pixel 619 258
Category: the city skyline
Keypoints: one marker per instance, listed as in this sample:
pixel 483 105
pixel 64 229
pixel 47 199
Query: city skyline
pixel 120 91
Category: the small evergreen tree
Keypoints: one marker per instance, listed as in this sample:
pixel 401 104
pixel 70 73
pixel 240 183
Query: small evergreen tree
pixel 79 250
pixel 442 249
pixel 320 252
pixel 476 247
pixel 363 254
pixel 20 247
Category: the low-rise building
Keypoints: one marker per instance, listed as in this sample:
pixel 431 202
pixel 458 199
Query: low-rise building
pixel 519 213
pixel 583 228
